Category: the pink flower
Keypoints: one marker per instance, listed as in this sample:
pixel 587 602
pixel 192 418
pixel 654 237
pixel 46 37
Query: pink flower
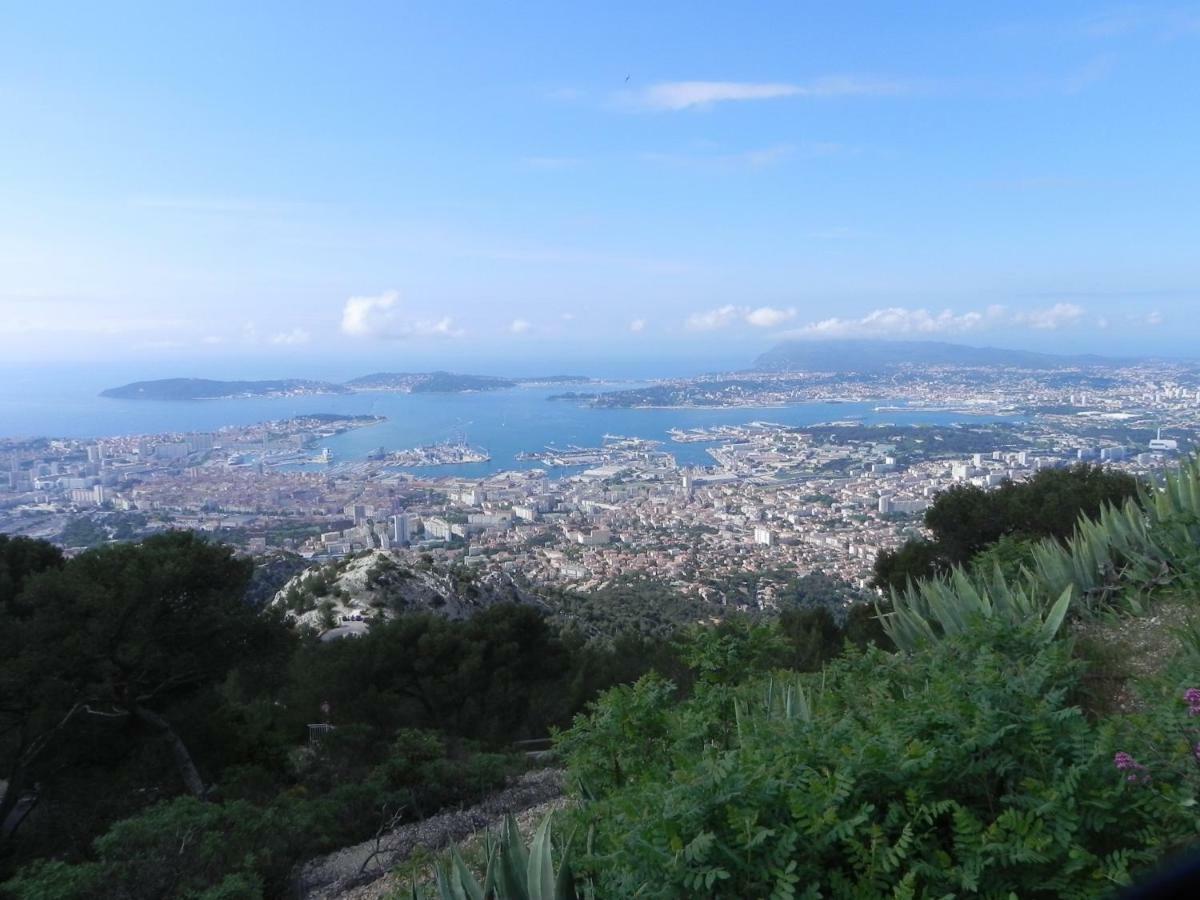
pixel 1124 761
pixel 1192 696
pixel 1137 772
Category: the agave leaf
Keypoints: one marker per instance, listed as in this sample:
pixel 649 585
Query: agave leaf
pixel 1055 617
pixel 445 884
pixel 512 871
pixel 540 873
pixel 469 888
pixel 564 885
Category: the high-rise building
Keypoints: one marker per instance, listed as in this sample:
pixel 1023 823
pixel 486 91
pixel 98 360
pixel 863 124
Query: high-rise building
pixel 200 442
pixel 401 529
pixel 689 483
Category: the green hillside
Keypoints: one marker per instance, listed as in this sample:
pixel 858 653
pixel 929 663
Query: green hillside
pixel 1034 734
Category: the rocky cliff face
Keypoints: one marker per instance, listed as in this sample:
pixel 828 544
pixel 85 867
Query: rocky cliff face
pixel 342 599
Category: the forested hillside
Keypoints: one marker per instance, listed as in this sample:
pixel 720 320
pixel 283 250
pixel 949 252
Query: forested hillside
pixel 145 695
pixel 1013 723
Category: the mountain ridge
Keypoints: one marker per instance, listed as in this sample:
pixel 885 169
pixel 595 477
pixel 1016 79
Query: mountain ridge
pixel 866 354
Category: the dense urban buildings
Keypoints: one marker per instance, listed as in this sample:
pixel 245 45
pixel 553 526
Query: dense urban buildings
pixel 776 501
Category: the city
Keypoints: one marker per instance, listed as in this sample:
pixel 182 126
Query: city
pixel 774 499
pixel 624 451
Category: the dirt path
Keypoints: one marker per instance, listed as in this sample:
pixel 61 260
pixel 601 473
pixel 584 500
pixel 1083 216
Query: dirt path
pixel 360 871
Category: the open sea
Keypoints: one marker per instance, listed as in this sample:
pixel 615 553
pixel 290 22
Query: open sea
pixel 66 404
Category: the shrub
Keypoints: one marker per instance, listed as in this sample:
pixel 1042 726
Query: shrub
pixel 962 769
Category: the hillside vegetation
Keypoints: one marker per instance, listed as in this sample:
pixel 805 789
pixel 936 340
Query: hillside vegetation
pixel 1024 724
pixel 987 755
pixel 155 717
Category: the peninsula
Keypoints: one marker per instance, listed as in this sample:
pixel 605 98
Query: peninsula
pixel 186 389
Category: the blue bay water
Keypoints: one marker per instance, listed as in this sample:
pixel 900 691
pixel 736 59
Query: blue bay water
pixel 503 422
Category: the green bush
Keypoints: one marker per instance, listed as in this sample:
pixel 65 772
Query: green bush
pixel 964 769
pixel 182 848
pixel 966 519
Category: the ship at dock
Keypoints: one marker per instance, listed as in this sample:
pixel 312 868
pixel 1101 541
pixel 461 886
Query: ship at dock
pixel 449 453
pixel 615 448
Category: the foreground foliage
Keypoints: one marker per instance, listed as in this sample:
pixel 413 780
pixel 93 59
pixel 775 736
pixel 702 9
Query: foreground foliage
pixel 966 519
pixel 964 769
pixel 1115 559
pixel 512 871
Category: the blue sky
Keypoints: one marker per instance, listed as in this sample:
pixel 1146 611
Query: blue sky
pixel 456 184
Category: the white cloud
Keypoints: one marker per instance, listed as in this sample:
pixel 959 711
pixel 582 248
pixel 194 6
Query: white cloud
pixel 443 327
pixel 897 321
pixel 725 316
pixel 363 316
pixel 519 326
pixel 1155 318
pixel 678 95
pixel 768 317
pixel 291 338
pixel 637 326
pixel 380 317
pixel 714 319
pixel 1057 316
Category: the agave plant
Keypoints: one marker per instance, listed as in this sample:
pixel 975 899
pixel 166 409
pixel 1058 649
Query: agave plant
pixel 782 698
pixel 1173 507
pixel 513 872
pixel 1105 554
pixel 1123 552
pixel 952 604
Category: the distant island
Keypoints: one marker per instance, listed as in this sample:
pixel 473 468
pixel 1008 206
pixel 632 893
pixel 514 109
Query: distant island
pixel 873 355
pixel 209 389
pixel 427 382
pixel 187 389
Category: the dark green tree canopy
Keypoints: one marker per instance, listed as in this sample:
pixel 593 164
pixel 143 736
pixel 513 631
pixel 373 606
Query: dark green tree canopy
pixel 20 558
pixel 967 519
pixel 120 634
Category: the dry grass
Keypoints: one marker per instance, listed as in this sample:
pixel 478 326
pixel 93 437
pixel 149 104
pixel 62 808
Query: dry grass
pixel 1119 651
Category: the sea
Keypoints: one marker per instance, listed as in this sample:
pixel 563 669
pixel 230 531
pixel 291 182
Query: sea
pixel 66 403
